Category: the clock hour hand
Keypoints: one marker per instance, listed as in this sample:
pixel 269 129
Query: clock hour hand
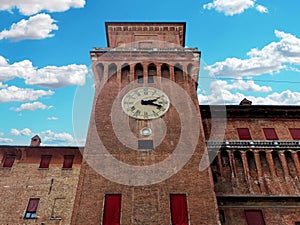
pixel 151 102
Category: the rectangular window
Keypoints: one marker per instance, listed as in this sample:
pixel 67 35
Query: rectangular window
pixel 254 217
pixel 270 134
pixel 112 209
pixel 145 144
pixel 31 208
pixel 68 161
pixel 179 212
pixel 45 161
pixel 9 161
pixel 244 134
pixel 295 132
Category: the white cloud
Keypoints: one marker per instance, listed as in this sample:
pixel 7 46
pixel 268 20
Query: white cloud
pixel 232 7
pixel 16 94
pixel 220 93
pixel 30 7
pixel 6 140
pixel 269 60
pixel 50 137
pixel 52 118
pixel 52 76
pixel 49 76
pixel 24 132
pixel 36 27
pixel 32 106
pixel 242 85
pixel 261 9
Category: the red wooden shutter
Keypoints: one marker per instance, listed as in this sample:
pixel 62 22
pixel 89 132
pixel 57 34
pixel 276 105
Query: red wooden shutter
pixel 112 209
pixel 32 205
pixel 45 161
pixel 254 217
pixel 270 134
pixel 295 132
pixel 68 161
pixel 244 134
pixel 179 213
pixel 9 161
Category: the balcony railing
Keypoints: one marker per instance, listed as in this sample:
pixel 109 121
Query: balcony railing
pixel 246 144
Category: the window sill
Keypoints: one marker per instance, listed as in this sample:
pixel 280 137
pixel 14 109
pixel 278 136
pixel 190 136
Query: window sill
pixel 66 168
pixel 43 168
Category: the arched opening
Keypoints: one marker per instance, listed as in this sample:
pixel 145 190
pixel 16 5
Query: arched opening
pixel 138 73
pixel 152 72
pixel 100 71
pixel 112 72
pixel 125 74
pixel 165 71
pixel 178 74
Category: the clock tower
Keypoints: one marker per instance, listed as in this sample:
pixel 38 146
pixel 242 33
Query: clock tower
pixel 145 157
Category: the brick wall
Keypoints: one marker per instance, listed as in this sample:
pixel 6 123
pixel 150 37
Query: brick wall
pixel 55 187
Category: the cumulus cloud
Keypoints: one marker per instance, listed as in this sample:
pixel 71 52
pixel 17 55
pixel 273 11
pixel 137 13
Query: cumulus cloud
pixel 232 7
pixel 242 85
pixel 222 93
pixel 16 94
pixel 30 7
pixel 6 140
pixel 49 76
pixel 36 27
pixel 271 59
pixel 55 77
pixel 24 132
pixel 52 118
pixel 32 106
pixel 50 137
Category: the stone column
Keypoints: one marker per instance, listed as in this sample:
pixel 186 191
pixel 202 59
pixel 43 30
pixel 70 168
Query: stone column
pixel 296 161
pixel 246 170
pixel 271 163
pixel 259 172
pixel 284 165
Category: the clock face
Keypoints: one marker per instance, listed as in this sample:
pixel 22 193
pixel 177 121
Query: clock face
pixel 145 103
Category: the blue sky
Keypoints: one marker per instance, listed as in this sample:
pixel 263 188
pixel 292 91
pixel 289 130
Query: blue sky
pixel 249 49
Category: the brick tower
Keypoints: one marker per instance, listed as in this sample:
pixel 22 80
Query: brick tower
pixel 145 139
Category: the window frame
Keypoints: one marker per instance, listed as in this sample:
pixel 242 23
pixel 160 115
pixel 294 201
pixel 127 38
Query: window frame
pixel 66 157
pixel 185 208
pixel 107 206
pixel 7 164
pixel 31 214
pixel 295 133
pixel 45 157
pixel 241 133
pixel 256 211
pixel 267 133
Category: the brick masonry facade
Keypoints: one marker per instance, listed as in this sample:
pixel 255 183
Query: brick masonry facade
pixel 55 187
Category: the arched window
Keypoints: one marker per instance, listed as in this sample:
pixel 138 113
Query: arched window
pixel 125 73
pixel 100 71
pixel 165 71
pixel 112 71
pixel 151 72
pixel 178 74
pixel 138 73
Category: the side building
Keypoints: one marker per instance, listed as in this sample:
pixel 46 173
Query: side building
pixel 38 184
pixel 256 171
